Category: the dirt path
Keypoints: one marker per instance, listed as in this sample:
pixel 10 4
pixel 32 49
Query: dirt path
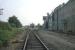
pixel 58 41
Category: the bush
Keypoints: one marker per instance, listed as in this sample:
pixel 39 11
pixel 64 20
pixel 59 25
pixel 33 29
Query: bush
pixel 3 37
pixel 6 33
pixel 5 26
pixel 1 43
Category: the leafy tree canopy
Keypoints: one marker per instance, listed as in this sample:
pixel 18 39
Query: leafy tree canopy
pixel 14 22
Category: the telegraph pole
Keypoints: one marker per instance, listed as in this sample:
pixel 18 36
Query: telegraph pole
pixel 1 11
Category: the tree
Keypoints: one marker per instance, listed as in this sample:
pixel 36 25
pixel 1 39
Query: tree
pixel 14 22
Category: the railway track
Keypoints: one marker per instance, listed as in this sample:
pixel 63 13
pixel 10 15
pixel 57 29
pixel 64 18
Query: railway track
pixel 33 42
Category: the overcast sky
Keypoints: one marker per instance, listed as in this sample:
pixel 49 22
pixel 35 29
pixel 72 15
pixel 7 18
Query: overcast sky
pixel 28 11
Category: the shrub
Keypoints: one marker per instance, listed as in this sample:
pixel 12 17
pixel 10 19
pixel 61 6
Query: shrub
pixel 6 33
pixel 5 26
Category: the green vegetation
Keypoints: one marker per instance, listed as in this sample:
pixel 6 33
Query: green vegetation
pixel 7 31
pixel 14 22
pixel 5 26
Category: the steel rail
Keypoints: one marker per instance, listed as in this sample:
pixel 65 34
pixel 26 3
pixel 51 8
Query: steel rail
pixel 41 41
pixel 25 44
pixel 24 48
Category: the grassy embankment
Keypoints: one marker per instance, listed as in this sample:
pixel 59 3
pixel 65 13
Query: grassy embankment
pixel 6 33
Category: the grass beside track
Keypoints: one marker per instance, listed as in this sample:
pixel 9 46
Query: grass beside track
pixel 6 33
